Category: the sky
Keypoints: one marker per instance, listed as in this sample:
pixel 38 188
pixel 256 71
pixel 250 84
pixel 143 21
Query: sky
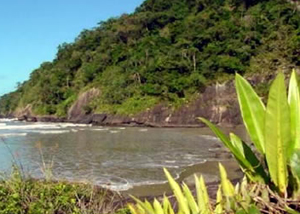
pixel 31 30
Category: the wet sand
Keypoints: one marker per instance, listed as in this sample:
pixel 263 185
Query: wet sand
pixel 209 170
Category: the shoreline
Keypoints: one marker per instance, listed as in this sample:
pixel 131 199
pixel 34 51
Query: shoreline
pixel 117 124
pixel 209 170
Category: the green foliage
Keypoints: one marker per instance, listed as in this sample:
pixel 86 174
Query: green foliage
pixel 22 196
pixel 130 106
pixel 274 132
pixel 165 49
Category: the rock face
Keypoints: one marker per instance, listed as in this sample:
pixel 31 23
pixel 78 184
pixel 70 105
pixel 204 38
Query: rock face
pixel 218 103
pixel 24 112
pixel 77 113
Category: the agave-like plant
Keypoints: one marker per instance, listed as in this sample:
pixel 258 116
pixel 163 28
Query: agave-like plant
pixel 275 133
pixel 229 199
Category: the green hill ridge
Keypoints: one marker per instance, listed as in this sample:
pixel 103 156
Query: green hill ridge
pixel 166 51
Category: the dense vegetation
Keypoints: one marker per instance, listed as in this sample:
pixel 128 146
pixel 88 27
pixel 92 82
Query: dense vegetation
pixel 19 195
pixel 166 51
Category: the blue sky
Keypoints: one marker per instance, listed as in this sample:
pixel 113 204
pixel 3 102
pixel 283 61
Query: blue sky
pixel 31 30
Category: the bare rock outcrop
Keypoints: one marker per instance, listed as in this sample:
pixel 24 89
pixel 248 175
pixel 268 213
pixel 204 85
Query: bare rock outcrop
pixel 77 112
pixel 217 102
pixel 25 111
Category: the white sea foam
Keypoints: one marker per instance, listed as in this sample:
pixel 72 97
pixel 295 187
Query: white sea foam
pixel 106 129
pixel 170 161
pixel 117 187
pixel 28 127
pixel 8 120
pixel 66 125
pixel 114 131
pixel 2 124
pixel 54 132
pixel 34 126
pixel 13 135
pixel 209 137
pixel 143 130
pixel 157 165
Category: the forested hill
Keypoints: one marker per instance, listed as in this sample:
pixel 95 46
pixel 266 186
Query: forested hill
pixel 166 51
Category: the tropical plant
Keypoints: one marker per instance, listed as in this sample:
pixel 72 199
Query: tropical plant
pixel 275 133
pixel 229 199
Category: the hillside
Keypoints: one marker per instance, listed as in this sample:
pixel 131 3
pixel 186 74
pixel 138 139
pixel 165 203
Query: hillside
pixel 165 52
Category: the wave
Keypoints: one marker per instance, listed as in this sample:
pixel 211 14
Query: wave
pixel 66 125
pixel 106 129
pixel 28 127
pixel 54 132
pixel 41 126
pixel 114 186
pixel 13 135
pixel 8 120
pixel 209 137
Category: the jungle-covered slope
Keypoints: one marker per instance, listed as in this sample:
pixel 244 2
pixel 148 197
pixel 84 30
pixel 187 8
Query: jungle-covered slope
pixel 166 51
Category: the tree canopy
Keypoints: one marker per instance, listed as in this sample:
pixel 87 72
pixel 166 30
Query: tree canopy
pixel 164 51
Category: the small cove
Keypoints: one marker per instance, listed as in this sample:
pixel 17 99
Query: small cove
pixel 115 157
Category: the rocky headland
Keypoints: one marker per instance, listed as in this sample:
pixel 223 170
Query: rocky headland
pixel 217 102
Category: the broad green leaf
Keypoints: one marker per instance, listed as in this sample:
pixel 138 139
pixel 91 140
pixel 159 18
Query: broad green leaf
pixel 134 210
pixel 190 198
pixel 290 210
pixel 253 168
pixel 295 167
pixel 277 133
pixel 295 163
pixel 253 210
pixel 227 187
pixel 235 149
pixel 167 206
pixel 218 132
pixel 294 102
pixel 198 191
pixel 205 205
pixel 253 112
pixel 146 206
pixel 226 141
pixel 241 211
pixel 182 202
pixel 219 207
pixel 157 207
